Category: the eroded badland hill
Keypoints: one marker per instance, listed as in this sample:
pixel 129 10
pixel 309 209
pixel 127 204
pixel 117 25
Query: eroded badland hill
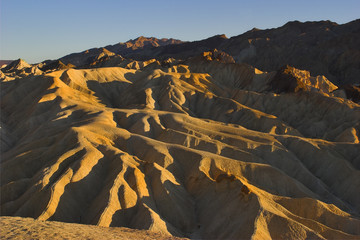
pixel 186 140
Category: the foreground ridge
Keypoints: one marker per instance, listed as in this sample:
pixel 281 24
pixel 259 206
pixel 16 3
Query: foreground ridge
pixel 27 228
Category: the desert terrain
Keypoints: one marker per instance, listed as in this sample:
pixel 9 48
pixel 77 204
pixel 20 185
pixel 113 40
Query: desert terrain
pixel 28 228
pixel 200 146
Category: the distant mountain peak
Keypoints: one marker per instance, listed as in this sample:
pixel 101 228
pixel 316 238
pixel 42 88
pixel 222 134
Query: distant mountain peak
pixel 297 23
pixel 220 36
pixel 254 29
pixel 17 65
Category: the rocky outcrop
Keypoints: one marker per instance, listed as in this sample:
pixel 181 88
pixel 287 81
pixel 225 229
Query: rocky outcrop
pixel 55 65
pixel 16 65
pixel 290 79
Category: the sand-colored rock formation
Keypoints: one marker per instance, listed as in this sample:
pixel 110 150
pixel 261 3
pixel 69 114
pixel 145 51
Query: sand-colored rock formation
pixel 201 148
pixel 16 65
pixel 19 68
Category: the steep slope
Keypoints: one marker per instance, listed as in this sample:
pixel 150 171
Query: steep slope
pixel 201 148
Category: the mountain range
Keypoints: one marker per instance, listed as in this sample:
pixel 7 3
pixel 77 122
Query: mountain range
pixel 323 48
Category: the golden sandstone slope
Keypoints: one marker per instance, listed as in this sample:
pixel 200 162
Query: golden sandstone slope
pixel 202 148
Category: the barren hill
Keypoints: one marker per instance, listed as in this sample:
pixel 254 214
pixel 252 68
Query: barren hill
pixel 202 148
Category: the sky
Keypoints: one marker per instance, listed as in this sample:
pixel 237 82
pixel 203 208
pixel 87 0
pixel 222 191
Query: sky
pixel 36 30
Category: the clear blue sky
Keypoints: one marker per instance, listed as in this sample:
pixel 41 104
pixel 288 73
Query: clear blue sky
pixel 36 30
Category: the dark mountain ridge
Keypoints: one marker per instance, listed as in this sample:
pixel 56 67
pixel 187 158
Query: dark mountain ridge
pixel 322 47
